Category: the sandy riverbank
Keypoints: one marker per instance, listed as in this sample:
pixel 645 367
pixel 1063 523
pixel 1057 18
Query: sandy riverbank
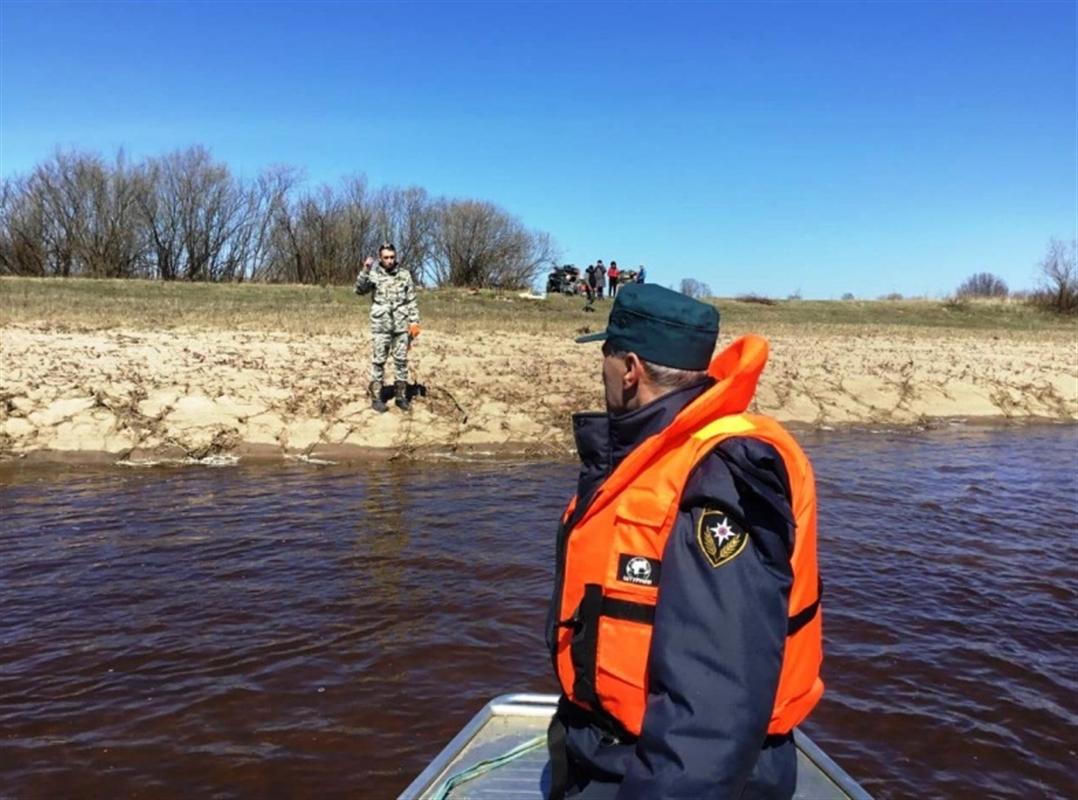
pixel 145 395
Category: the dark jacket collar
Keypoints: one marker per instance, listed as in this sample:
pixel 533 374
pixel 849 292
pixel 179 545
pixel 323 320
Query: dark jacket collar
pixel 603 440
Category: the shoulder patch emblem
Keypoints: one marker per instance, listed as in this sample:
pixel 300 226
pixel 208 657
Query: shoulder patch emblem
pixel 719 537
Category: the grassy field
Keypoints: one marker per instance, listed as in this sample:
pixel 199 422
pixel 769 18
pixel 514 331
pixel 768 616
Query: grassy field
pixel 82 304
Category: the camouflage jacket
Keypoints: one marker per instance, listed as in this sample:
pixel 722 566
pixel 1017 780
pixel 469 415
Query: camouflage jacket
pixel 393 305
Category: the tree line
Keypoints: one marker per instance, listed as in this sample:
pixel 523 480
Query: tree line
pixel 1057 288
pixel 186 216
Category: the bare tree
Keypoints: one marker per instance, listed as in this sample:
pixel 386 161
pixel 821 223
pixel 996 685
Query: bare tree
pixel 91 215
pixel 360 227
pixel 694 288
pixel 321 237
pixel 324 236
pixel 191 209
pixel 983 284
pixel 407 218
pixel 302 233
pixel 1059 277
pixel 23 230
pixel 200 223
pixel 264 201
pixel 211 205
pixel 159 208
pixel 480 245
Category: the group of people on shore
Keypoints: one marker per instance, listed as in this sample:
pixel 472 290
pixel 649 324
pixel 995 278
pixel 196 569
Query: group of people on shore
pixel 594 282
pixel 596 275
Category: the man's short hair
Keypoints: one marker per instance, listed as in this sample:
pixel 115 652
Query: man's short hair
pixel 669 378
pixel 386 246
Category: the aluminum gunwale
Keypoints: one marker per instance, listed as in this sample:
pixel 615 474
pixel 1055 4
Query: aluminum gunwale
pixel 842 779
pixel 522 704
pixel 544 705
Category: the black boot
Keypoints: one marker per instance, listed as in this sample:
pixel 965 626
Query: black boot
pixel 375 391
pixel 401 390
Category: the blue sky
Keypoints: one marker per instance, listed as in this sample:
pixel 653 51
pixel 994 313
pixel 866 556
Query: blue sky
pixel 759 147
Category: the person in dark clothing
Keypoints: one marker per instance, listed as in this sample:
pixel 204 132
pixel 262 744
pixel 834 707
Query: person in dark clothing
pixel 680 599
pixel 600 276
pixel 589 288
pixel 589 278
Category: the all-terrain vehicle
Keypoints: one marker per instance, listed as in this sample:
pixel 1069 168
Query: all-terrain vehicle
pixel 563 280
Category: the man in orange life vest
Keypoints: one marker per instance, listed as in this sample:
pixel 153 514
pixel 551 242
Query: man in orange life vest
pixel 684 627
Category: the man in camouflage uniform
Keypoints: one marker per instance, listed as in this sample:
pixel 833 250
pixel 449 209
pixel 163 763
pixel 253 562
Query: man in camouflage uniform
pixel 394 322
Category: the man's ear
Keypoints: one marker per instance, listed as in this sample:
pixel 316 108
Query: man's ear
pixel 634 372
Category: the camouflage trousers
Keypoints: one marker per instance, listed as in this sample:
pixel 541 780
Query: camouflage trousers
pixel 383 343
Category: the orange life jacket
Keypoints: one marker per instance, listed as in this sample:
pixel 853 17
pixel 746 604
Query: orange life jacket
pixel 604 633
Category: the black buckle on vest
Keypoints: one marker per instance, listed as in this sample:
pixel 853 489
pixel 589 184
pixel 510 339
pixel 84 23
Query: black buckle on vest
pixel 572 622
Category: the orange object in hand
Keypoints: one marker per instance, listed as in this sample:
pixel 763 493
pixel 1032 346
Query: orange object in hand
pixel 413 330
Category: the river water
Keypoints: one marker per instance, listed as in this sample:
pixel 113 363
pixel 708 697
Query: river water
pixel 305 631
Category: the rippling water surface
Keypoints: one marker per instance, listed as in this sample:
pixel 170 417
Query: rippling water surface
pixel 323 631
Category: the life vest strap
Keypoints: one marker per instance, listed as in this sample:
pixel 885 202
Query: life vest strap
pixel 643 613
pixel 611 607
pixel 807 614
pixel 585 625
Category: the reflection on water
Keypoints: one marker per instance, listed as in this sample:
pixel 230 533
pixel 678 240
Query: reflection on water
pixel 296 630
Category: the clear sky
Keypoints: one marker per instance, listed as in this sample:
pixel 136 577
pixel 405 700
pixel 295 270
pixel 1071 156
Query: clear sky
pixel 860 147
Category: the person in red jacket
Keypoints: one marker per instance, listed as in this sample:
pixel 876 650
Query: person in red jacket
pixel 612 274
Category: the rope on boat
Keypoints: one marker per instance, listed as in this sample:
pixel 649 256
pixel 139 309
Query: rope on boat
pixel 483 767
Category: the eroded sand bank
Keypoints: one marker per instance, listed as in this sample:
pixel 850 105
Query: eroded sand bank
pixel 147 395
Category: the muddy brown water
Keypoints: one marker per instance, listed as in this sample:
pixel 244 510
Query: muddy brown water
pixel 304 631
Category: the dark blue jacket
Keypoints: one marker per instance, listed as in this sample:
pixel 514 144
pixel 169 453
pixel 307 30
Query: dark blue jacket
pixel 719 632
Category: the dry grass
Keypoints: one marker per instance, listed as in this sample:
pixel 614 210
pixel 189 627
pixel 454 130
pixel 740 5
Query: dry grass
pixel 80 304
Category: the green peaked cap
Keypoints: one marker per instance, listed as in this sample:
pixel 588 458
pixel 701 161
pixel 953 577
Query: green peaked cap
pixel 661 326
